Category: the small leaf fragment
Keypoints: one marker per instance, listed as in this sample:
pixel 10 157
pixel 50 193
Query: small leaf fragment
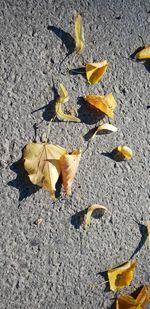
pixel 124 151
pixel 104 128
pixel 63 98
pixel 41 162
pixel 122 275
pixel 105 104
pixel 79 34
pixel 69 165
pixel 90 210
pixel 144 53
pixel 148 232
pixel 94 71
pixel 129 302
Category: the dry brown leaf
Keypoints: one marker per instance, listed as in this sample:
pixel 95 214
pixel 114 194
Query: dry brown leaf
pixel 124 152
pixel 94 71
pixel 105 104
pixel 106 127
pixel 144 53
pixel 63 98
pixel 129 302
pixel 69 165
pixel 90 210
pixel 79 34
pixel 122 275
pixel 41 161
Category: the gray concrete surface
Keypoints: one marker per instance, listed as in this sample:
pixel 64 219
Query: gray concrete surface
pixel 52 265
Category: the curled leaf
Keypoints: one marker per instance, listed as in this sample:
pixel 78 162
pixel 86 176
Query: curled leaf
pixel 94 71
pixel 41 162
pixel 148 232
pixel 129 302
pixel 63 98
pixel 105 104
pixel 79 34
pixel 144 53
pixel 90 210
pixel 104 128
pixel 122 275
pixel 124 152
pixel 69 165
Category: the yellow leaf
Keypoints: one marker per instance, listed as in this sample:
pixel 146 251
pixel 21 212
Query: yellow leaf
pixel 124 151
pixel 90 210
pixel 79 34
pixel 69 164
pixel 143 297
pixel 105 128
pixel 148 230
pixel 94 71
pixel 144 53
pixel 121 276
pixel 63 98
pixel 105 104
pixel 129 302
pixel 41 161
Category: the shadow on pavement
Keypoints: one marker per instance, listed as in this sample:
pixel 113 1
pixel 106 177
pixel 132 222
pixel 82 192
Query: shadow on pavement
pixel 87 113
pixel 144 234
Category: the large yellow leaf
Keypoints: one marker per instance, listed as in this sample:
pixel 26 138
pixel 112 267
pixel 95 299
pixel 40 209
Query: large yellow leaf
pixel 79 34
pixel 121 275
pixel 63 98
pixel 105 104
pixel 94 71
pixel 144 53
pixel 69 164
pixel 41 161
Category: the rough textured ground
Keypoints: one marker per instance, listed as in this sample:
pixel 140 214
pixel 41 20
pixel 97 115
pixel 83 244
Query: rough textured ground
pixel 52 265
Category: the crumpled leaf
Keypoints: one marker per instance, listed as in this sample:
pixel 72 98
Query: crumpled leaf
pixel 94 71
pixel 63 98
pixel 90 210
pixel 69 165
pixel 79 34
pixel 124 151
pixel 106 127
pixel 148 232
pixel 122 275
pixel 144 53
pixel 41 161
pixel 129 302
pixel 105 104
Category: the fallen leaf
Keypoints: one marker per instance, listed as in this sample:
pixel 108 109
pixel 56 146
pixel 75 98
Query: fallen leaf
pixel 121 276
pixel 69 165
pixel 124 152
pixel 105 128
pixel 63 98
pixel 129 302
pixel 143 296
pixel 144 53
pixel 41 161
pixel 79 34
pixel 90 210
pixel 105 104
pixel 148 231
pixel 94 71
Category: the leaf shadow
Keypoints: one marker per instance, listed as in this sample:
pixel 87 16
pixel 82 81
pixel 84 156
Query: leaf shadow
pixel 49 109
pixel 78 71
pixel 78 218
pixel 113 156
pixel 66 38
pixel 22 183
pixel 87 113
pixel 103 274
pixel 144 234
pixel 132 56
pixel 147 65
